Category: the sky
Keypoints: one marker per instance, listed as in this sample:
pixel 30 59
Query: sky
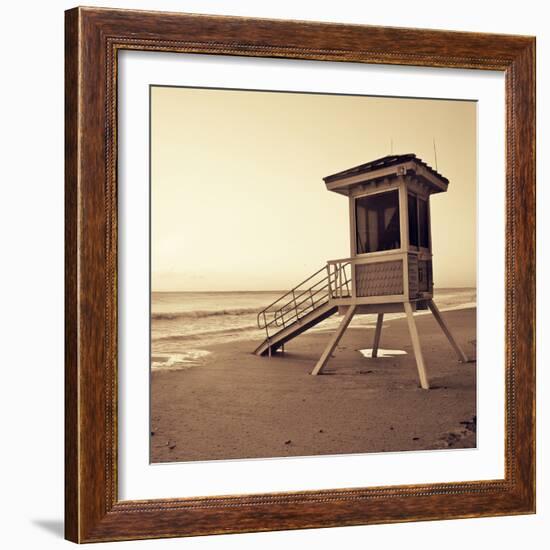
pixel 237 197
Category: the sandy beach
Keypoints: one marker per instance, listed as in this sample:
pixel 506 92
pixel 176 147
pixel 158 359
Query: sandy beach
pixel 232 404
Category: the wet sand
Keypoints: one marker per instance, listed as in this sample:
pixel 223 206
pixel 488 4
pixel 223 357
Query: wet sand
pixel 233 404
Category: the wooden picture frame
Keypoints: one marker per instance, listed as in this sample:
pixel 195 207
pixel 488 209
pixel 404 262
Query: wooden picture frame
pixel 93 39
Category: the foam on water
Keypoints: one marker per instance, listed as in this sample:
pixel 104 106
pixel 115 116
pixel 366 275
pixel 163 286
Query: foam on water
pixel 175 361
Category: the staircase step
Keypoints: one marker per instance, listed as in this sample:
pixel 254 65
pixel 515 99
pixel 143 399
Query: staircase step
pixel 314 317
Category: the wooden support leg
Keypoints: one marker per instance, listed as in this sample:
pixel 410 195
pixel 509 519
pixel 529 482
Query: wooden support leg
pixel 462 357
pixel 335 338
pixel 377 333
pixel 416 347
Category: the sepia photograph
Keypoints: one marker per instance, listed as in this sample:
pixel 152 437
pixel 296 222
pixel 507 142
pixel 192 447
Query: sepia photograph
pixel 313 274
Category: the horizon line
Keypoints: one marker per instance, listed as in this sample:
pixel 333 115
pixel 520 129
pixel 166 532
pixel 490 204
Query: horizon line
pixel 289 289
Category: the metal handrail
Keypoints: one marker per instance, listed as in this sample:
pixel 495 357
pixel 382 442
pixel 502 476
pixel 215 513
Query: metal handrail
pixel 306 300
pixel 297 286
pixel 340 261
pixel 292 306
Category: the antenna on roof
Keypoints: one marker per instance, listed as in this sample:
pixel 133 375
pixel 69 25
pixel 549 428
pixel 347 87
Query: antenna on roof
pixel 435 155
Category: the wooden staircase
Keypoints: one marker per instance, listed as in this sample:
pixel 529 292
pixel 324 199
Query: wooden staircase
pixel 303 307
pixel 273 343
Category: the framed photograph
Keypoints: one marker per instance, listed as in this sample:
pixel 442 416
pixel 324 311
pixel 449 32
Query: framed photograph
pixel 300 275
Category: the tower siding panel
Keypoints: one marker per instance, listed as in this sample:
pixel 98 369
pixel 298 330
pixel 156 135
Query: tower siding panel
pixel 379 279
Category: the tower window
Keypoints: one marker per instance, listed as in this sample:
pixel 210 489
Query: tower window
pixel 377 222
pixel 419 229
pixel 413 219
pixel 423 223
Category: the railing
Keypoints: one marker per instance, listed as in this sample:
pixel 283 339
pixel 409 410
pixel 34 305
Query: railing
pixel 331 281
pixel 339 277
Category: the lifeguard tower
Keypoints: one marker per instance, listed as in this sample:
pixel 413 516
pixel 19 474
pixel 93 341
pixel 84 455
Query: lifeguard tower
pixel 390 268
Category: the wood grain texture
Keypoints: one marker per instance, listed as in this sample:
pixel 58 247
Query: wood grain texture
pixel 71 271
pixel 93 38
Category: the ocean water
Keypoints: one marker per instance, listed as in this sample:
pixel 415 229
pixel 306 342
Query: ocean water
pixel 185 324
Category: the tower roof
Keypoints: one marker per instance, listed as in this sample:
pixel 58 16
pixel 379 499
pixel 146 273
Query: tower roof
pixel 388 166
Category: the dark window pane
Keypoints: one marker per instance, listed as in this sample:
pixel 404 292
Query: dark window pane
pixel 413 220
pixel 377 221
pixel 423 223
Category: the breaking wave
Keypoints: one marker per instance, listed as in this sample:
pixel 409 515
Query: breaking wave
pixel 200 314
pixel 204 333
